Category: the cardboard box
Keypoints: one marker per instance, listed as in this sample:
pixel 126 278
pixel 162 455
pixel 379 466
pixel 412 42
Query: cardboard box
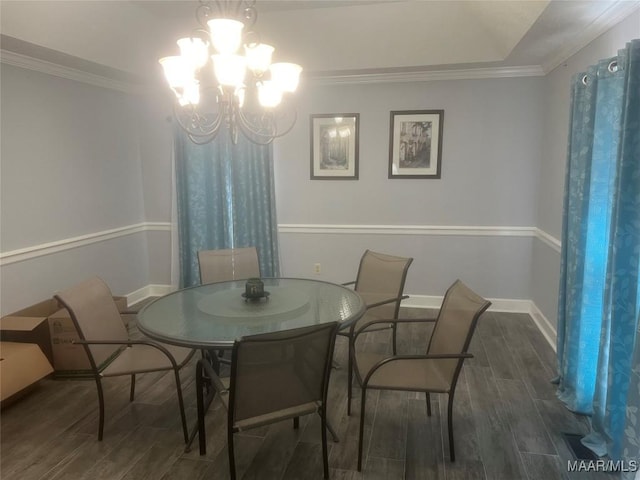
pixel 51 327
pixel 21 365
pixel 30 325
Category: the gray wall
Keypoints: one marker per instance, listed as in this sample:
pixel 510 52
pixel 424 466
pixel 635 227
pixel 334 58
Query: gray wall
pixel 492 135
pixel 556 98
pixel 70 168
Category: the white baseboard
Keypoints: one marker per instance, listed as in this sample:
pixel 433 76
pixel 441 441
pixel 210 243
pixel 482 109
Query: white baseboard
pixel 497 305
pixel 544 325
pixel 149 291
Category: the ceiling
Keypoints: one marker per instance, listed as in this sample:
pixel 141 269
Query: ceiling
pixel 329 38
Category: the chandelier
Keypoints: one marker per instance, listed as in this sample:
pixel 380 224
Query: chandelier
pixel 220 86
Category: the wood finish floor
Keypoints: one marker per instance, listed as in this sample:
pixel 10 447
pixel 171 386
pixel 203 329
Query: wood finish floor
pixel 507 424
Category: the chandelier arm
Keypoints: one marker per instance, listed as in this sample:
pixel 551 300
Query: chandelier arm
pixel 203 13
pixel 265 134
pixel 261 133
pixel 197 125
pixel 249 13
pixel 257 130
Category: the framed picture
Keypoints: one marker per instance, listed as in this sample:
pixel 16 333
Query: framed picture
pixel 334 146
pixel 415 144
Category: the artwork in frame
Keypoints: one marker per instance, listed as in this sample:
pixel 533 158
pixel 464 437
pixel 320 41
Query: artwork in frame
pixel 334 146
pixel 415 144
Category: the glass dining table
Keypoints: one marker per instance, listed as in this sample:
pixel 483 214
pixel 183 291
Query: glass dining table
pixel 213 316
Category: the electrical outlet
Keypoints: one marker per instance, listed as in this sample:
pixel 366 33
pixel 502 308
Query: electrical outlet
pixel 316 268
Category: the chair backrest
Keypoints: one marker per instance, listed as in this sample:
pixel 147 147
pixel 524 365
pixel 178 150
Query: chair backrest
pixel 275 371
pixel 380 273
pixel 95 316
pixel 455 325
pixel 228 264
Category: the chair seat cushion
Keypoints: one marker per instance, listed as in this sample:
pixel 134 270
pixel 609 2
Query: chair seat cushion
pixel 145 358
pixel 409 374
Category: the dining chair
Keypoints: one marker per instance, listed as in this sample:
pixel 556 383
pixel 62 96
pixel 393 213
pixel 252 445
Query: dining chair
pixel 108 347
pixel 436 371
pixel 224 265
pixel 274 377
pixel 380 282
pixel 228 264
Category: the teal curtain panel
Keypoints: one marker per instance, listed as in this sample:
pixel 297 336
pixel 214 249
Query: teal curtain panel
pixel 599 296
pixel 225 199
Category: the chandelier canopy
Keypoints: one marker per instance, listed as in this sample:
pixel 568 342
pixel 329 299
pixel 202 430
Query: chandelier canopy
pixel 219 84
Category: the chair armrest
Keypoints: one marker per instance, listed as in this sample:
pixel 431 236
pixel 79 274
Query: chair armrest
pixel 388 300
pixel 391 320
pixel 130 343
pixel 428 356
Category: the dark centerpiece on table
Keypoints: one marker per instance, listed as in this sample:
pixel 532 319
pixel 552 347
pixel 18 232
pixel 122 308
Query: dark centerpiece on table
pixel 254 289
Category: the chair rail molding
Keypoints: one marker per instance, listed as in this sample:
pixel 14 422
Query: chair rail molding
pixel 35 251
pixel 444 230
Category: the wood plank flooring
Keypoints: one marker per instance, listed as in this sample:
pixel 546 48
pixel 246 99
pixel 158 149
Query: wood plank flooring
pixel 507 424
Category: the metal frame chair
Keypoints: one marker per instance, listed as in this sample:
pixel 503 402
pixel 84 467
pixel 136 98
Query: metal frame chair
pixel 438 370
pixel 380 281
pixel 274 377
pixel 110 350
pixel 228 264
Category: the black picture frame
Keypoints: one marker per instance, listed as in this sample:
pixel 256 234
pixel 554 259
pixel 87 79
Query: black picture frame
pixel 335 148
pixel 415 143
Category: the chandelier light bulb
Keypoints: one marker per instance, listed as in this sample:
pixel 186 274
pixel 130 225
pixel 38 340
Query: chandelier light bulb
pixel 258 57
pixel 195 51
pixel 230 70
pixel 190 94
pixel 177 71
pixel 269 95
pixel 286 75
pixel 226 35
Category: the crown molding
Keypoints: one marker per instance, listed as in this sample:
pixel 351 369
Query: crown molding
pixel 38 65
pixel 617 11
pixel 427 76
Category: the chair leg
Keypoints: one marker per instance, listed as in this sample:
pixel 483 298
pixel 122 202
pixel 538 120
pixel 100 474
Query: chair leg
pixel 101 408
pixel 452 453
pixel 361 434
pixel 232 461
pixel 132 393
pixel 428 397
pixel 394 335
pixel 200 408
pixel 325 454
pixel 181 405
pixel 349 380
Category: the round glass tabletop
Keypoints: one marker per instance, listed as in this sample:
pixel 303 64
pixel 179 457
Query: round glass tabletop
pixel 216 314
